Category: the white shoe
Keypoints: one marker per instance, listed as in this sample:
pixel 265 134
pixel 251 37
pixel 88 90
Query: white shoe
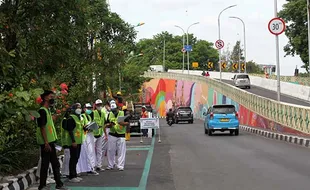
pixel 79 178
pixel 121 169
pixel 50 181
pixel 74 180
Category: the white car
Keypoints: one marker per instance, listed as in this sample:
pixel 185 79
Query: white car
pixel 242 80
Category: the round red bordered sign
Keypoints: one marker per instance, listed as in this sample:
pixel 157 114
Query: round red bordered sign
pixel 219 44
pixel 276 26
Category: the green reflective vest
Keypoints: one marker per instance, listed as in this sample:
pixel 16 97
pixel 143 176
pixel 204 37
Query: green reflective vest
pixel 64 135
pixel 86 119
pixel 77 133
pixel 117 128
pixel 100 122
pixel 49 129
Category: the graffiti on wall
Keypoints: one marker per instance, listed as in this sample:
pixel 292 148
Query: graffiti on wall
pixel 168 93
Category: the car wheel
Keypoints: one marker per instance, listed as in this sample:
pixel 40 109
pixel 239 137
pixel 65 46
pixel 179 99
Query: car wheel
pixel 237 132
pixel 249 87
pixel 206 131
pixel 209 132
pixel 176 121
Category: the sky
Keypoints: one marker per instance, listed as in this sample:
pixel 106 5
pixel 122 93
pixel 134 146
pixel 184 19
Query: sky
pixel 163 15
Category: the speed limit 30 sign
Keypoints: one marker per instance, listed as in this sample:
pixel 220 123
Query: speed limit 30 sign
pixel 276 26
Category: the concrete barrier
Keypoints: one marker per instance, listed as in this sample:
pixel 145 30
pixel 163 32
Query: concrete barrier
pixel 287 88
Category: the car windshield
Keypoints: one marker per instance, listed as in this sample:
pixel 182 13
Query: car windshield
pixel 223 109
pixel 184 109
pixel 242 76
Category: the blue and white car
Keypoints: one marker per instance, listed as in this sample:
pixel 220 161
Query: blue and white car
pixel 221 118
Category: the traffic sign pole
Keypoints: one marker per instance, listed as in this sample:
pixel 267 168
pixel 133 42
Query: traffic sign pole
pixel 276 26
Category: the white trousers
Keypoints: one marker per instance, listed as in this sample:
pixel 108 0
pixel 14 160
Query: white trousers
pixel 91 154
pixel 82 165
pixel 65 164
pixel 99 151
pixel 116 144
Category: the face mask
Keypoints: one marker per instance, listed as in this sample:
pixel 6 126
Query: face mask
pixel 88 112
pixel 99 108
pixel 51 101
pixel 78 111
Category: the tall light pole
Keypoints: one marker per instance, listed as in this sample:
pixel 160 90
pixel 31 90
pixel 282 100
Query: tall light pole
pixel 182 46
pixel 277 54
pixel 244 38
pixel 308 13
pixel 187 45
pixel 164 54
pixel 219 30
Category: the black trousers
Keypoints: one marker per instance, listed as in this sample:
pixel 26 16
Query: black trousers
pixel 144 132
pixel 46 159
pixel 74 158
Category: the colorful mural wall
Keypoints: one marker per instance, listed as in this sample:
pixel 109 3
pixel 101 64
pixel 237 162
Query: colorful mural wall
pixel 166 93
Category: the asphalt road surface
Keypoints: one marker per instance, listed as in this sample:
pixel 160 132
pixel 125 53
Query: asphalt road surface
pixel 187 159
pixel 272 95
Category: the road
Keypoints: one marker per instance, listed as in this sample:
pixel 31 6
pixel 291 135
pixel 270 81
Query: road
pixel 187 159
pixel 272 95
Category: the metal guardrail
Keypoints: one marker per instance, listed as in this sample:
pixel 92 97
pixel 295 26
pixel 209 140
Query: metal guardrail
pixel 290 115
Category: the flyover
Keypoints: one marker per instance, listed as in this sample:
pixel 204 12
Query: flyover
pixel 290 92
pixel 168 89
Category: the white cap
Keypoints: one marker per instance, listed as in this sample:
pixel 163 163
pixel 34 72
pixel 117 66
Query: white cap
pixel 144 107
pixel 98 101
pixel 88 105
pixel 113 106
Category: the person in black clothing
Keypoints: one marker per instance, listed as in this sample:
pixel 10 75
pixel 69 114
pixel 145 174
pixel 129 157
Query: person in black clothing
pixel 169 115
pixel 48 149
pixel 75 148
pixel 65 164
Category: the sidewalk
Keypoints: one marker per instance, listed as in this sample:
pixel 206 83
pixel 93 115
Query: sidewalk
pixel 137 166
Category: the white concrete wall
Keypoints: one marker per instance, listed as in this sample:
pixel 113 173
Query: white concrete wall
pixel 294 90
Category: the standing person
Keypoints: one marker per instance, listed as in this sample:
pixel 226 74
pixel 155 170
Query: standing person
pixel 116 138
pixel 99 118
pixel 46 138
pixel 74 132
pixel 144 114
pixel 82 165
pixel 90 143
pixel 119 99
pixel 65 145
pixel 127 134
pixel 106 109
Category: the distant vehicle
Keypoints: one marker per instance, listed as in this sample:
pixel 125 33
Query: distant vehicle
pixel 242 80
pixel 221 118
pixel 157 68
pixel 134 120
pixel 183 114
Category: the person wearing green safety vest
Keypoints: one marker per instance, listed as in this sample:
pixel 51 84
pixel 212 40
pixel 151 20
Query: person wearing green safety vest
pixel 116 138
pixel 74 138
pixel 65 145
pixel 98 116
pixel 87 160
pixel 46 138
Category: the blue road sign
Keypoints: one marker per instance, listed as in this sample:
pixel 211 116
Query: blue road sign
pixel 188 47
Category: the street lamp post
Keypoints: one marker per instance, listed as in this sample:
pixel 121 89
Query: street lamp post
pixel 183 46
pixel 219 30
pixel 244 38
pixel 308 14
pixel 187 45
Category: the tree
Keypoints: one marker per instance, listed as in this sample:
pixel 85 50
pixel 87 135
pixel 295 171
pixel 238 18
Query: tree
pixel 152 49
pixel 43 44
pixel 294 13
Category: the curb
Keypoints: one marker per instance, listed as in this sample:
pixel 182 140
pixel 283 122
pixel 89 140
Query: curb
pixel 24 180
pixel 301 141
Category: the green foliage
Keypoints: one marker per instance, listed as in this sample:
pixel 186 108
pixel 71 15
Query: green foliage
pixel 152 49
pixel 43 44
pixel 294 13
